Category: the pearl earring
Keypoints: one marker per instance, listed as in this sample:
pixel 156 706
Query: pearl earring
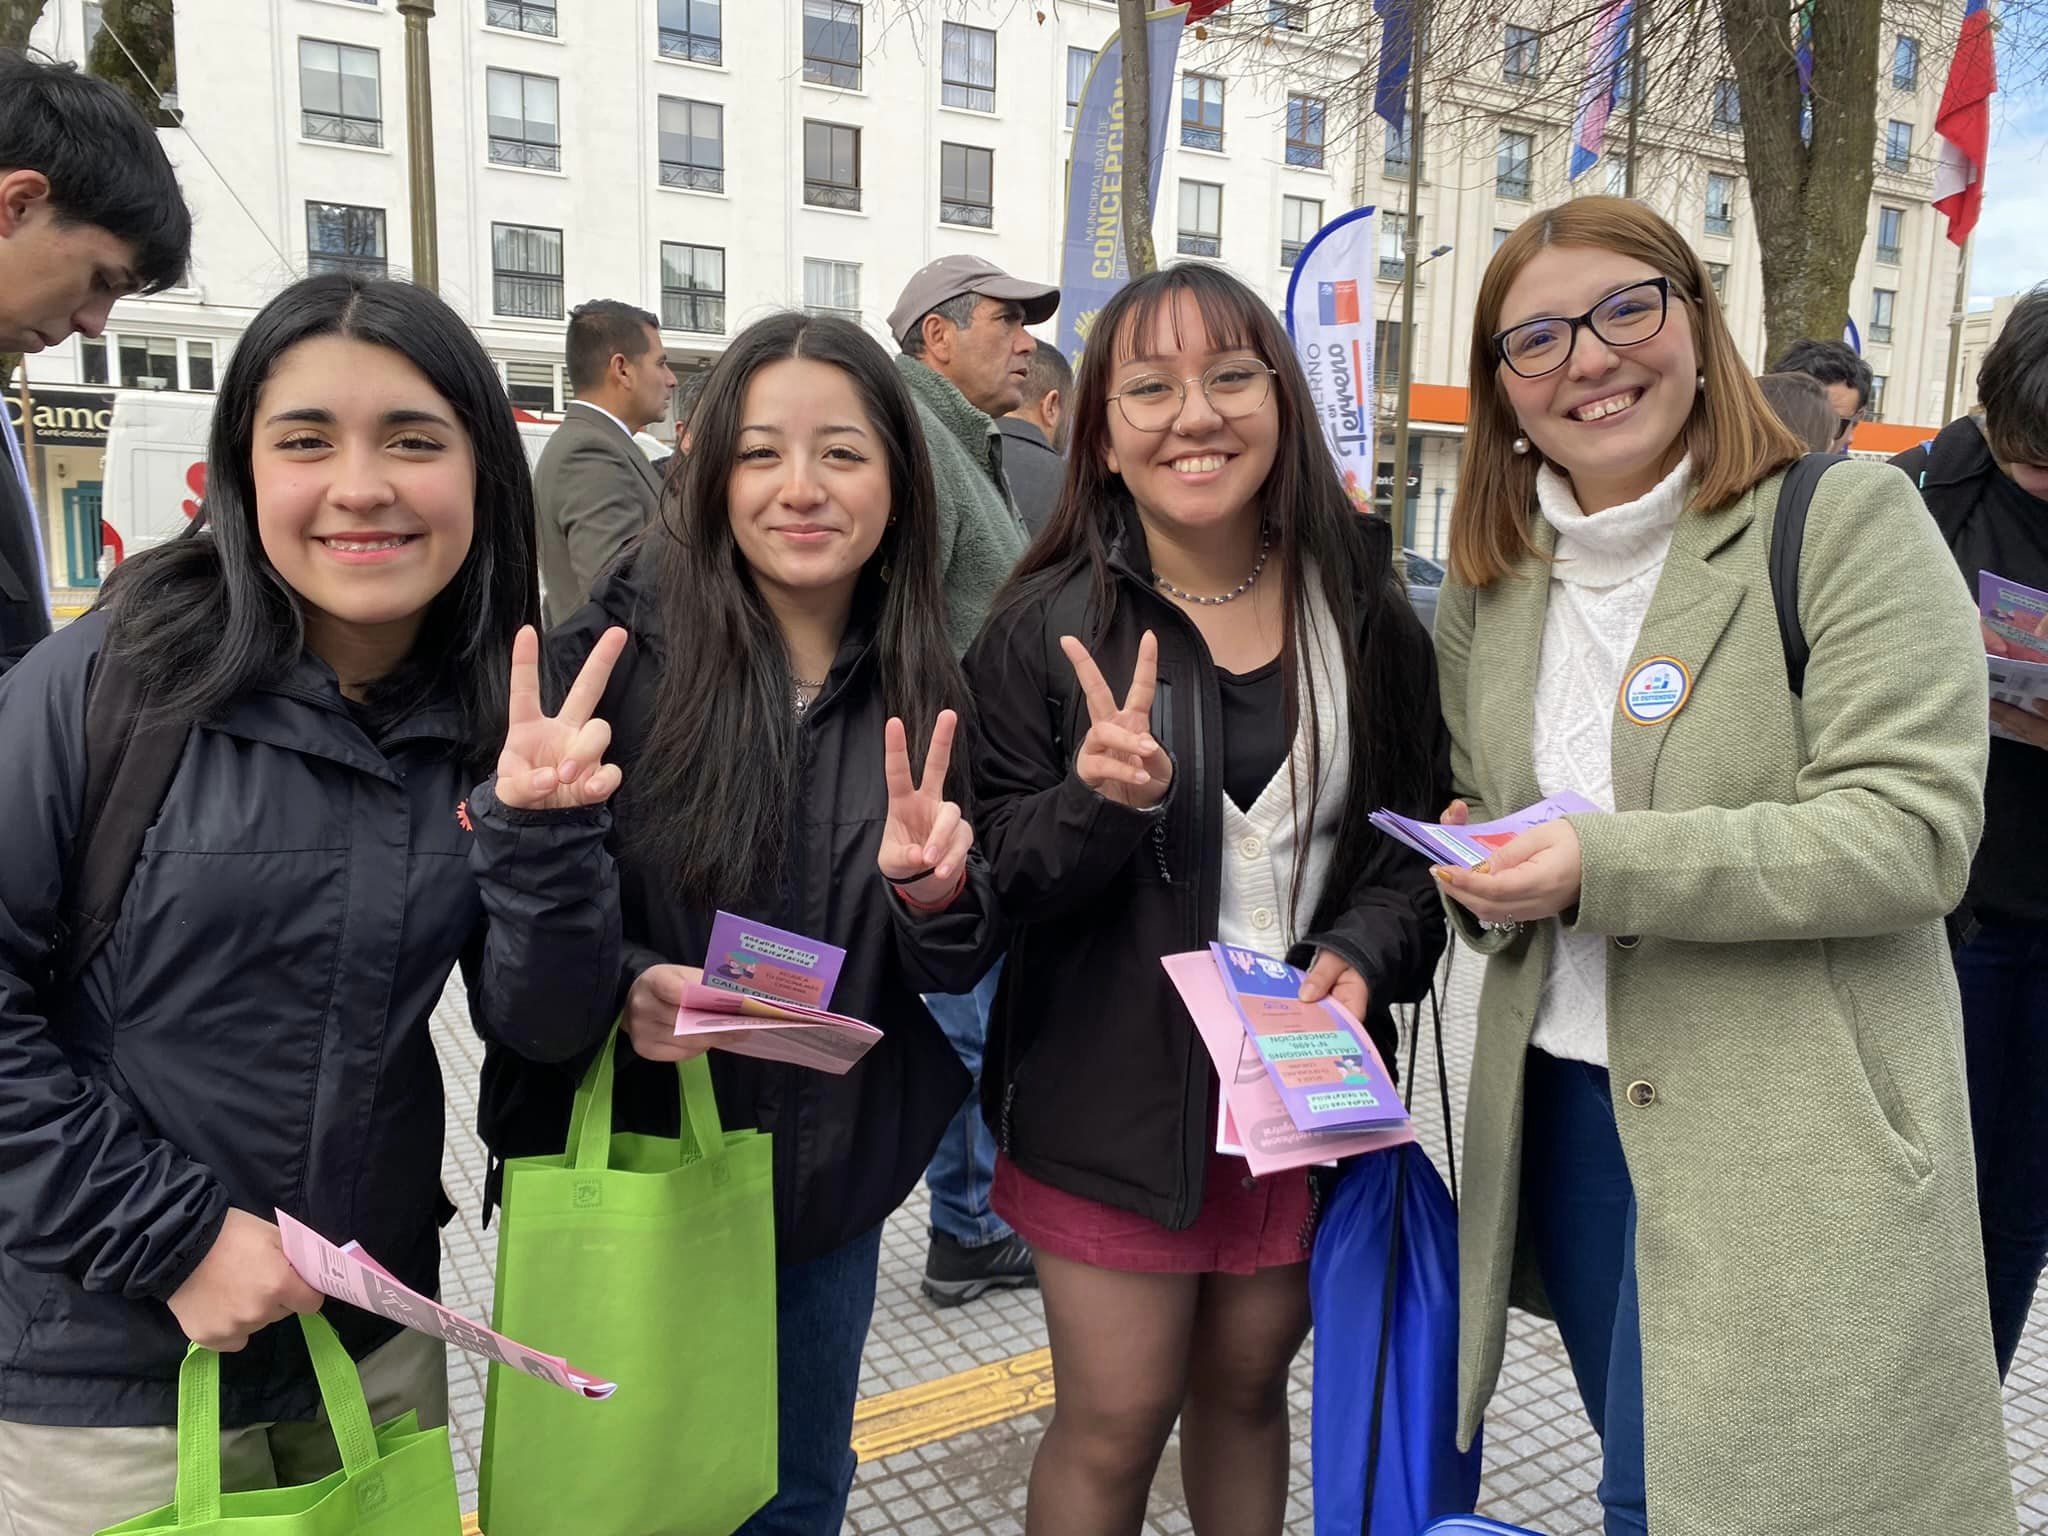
pixel 1702 381
pixel 1520 445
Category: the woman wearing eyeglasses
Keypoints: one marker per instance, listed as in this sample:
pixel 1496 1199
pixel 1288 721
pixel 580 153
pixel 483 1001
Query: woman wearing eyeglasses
pixel 1717 1096
pixel 1202 679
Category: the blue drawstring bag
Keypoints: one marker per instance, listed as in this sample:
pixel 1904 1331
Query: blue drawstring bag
pixel 1383 1286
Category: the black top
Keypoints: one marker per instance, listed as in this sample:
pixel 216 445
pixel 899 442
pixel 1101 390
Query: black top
pixel 23 617
pixel 1254 730
pixel 1992 525
pixel 1034 469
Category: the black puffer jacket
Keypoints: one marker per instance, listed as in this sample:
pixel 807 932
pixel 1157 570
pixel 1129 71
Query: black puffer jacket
pixel 847 1149
pixel 1094 1079
pixel 255 1031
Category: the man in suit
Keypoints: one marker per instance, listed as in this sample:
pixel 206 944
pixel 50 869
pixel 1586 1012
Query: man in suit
pixel 89 210
pixel 1035 436
pixel 594 489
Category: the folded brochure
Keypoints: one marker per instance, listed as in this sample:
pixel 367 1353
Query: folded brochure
pixel 1321 1059
pixel 1252 1119
pixel 2018 615
pixel 762 961
pixel 1470 846
pixel 348 1274
pixel 746 1026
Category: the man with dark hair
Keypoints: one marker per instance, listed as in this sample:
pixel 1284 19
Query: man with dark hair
pixel 1985 480
pixel 1845 376
pixel 593 489
pixel 89 210
pixel 1035 436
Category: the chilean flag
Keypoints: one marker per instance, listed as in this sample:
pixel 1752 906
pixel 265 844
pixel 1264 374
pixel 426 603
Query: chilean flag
pixel 1963 124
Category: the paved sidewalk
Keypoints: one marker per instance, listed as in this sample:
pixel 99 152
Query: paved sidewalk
pixel 1541 1464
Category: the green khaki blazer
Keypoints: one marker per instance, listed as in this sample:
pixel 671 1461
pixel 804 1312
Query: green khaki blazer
pixel 1784 1033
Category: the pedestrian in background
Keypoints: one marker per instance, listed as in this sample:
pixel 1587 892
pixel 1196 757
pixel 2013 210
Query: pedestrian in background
pixel 1801 402
pixel 1844 376
pixel 1035 436
pixel 1717 1095
pixel 89 211
pixel 254 1033
pixel 1985 479
pixel 1202 681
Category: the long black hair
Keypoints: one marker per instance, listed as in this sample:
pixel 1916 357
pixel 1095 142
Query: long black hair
pixel 206 617
pixel 1314 526
pixel 713 792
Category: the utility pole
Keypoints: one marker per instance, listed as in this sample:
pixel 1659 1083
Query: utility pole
pixel 1137 178
pixel 419 131
pixel 1397 512
pixel 1637 81
pixel 1955 332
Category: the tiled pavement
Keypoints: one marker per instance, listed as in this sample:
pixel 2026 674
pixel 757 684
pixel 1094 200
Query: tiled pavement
pixel 1541 1462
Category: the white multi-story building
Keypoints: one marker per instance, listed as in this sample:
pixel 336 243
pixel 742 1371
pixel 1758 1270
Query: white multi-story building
pixel 715 161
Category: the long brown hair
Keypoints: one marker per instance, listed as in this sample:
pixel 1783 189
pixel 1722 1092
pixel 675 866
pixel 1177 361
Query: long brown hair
pixel 1733 436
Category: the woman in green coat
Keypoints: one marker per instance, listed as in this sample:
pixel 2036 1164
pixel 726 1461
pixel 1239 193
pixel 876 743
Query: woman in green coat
pixel 1717 1111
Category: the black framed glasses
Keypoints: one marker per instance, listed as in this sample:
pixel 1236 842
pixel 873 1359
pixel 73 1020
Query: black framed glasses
pixel 1627 318
pixel 1235 387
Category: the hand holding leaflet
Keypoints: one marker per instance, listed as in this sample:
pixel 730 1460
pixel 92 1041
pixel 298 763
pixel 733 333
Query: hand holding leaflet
pixel 746 1026
pixel 1329 1075
pixel 1469 846
pixel 2015 620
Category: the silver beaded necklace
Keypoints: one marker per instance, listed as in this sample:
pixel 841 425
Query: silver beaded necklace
pixel 1265 548
pixel 798 689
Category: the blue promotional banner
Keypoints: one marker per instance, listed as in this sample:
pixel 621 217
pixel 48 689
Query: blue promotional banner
pixel 1094 263
pixel 1329 315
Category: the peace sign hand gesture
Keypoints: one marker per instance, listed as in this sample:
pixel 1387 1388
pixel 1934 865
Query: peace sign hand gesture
pixel 926 839
pixel 556 762
pixel 1119 758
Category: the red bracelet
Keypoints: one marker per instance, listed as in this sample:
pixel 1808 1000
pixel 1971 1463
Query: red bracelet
pixel 951 896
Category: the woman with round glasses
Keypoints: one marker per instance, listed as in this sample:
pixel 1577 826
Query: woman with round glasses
pixel 1201 681
pixel 1717 1101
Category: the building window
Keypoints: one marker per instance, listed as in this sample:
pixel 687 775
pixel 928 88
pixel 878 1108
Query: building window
pixel 1305 118
pixel 1875 411
pixel 689 29
pixel 966 183
pixel 692 144
pixel 1079 62
pixel 1881 302
pixel 1201 112
pixel 92 359
pixel 525 124
pixel 1386 353
pixel 531 386
pixel 968 67
pixel 1201 219
pixel 1891 223
pixel 1898 145
pixel 1717 274
pixel 1287 15
pixel 1727 107
pixel 831 165
pixel 1522 58
pixel 832 43
pixel 1512 162
pixel 341 237
pixel 526 272
pixel 1906 63
pixel 148 362
pixel 832 288
pixel 1393 260
pixel 1720 204
pixel 199 366
pixel 1500 237
pixel 1399 143
pixel 535 16
pixel 340 100
pixel 1300 218
pixel 693 288
pixel 1617 177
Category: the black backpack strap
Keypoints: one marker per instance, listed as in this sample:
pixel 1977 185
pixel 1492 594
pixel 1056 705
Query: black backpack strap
pixel 1788 538
pixel 131 756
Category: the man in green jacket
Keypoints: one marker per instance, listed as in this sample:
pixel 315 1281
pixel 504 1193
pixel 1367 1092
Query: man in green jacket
pixel 961 324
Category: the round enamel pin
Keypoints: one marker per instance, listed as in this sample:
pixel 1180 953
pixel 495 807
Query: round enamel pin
pixel 1656 690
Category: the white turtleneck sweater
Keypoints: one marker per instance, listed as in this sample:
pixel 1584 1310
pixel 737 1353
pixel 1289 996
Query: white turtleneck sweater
pixel 1606 571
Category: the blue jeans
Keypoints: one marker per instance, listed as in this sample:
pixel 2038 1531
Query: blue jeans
pixel 2004 976
pixel 964 1165
pixel 1582 1214
pixel 822 1312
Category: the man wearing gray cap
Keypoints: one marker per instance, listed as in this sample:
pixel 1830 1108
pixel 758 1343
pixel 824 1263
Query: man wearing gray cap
pixel 961 324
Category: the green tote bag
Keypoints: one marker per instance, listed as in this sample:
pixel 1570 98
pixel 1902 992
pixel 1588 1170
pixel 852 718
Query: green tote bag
pixel 394 1481
pixel 651 1262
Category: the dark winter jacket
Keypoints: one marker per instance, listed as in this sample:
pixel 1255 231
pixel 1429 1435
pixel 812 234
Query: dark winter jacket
pixel 1093 1077
pixel 847 1149
pixel 255 1031
pixel 1991 524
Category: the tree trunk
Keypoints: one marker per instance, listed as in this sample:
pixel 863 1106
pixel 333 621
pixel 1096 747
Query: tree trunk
pixel 17 20
pixel 1811 199
pixel 144 29
pixel 1137 184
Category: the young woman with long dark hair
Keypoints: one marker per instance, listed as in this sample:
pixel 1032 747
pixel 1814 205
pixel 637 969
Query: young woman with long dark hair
pixel 788 665
pixel 336 645
pixel 1200 682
